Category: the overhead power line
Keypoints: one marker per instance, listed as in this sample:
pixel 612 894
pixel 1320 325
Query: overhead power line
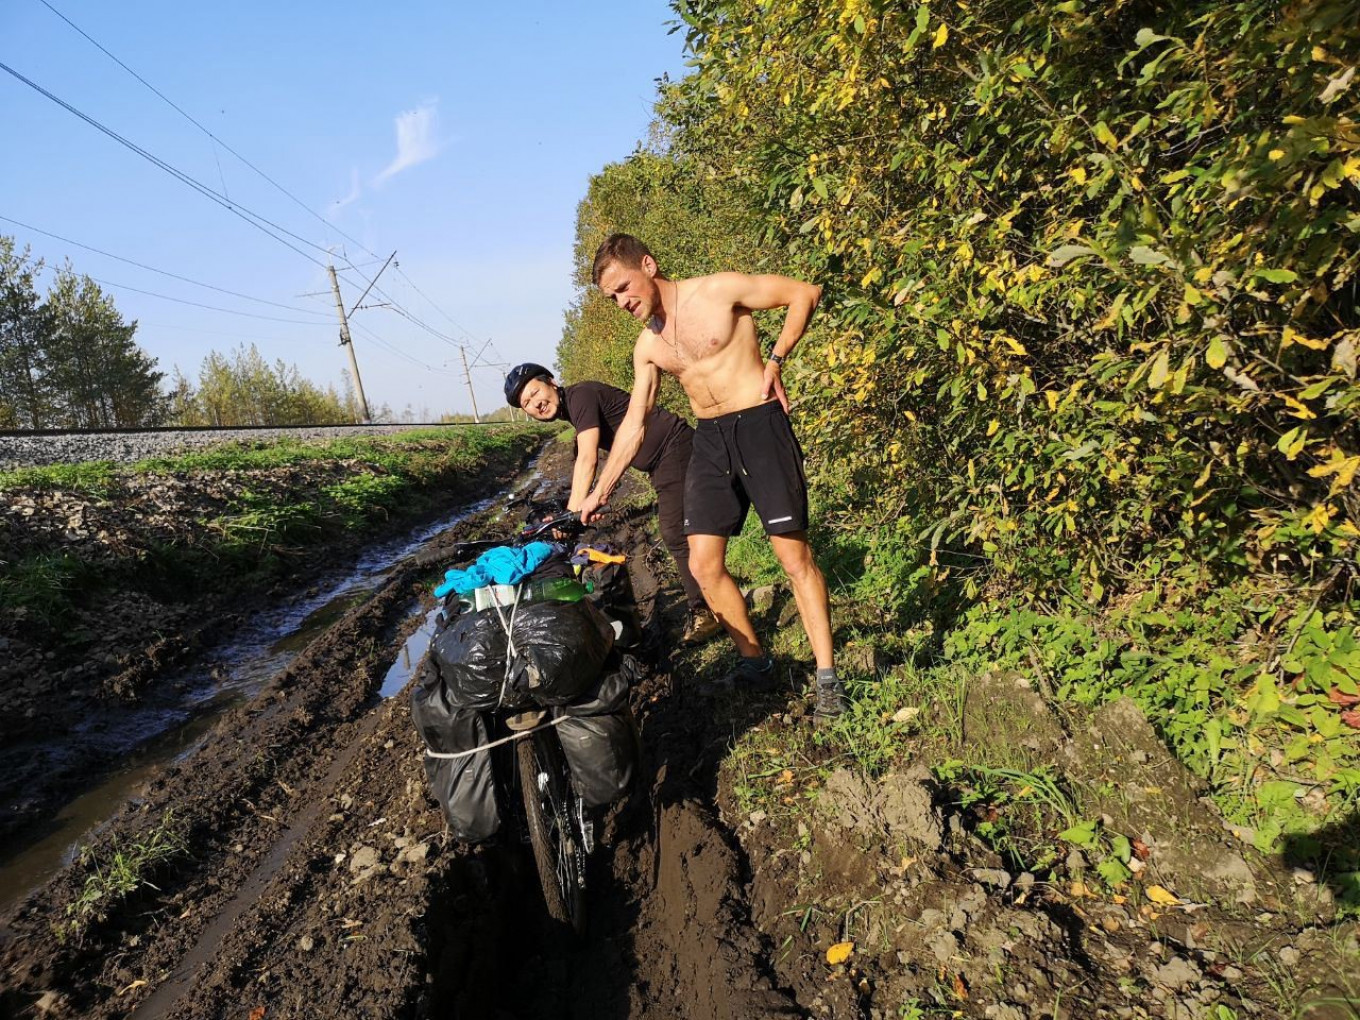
pixel 372 336
pixel 457 325
pixel 196 304
pixel 174 106
pixel 162 272
pixel 253 218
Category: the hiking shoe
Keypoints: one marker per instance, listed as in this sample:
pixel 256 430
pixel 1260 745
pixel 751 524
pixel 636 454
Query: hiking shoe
pixel 700 625
pixel 830 702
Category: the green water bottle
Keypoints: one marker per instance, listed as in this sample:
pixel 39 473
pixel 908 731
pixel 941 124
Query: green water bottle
pixel 559 589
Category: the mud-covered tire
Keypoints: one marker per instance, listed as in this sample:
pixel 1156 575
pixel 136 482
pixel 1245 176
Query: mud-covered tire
pixel 553 838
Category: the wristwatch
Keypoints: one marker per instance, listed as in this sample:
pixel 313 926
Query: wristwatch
pixel 778 359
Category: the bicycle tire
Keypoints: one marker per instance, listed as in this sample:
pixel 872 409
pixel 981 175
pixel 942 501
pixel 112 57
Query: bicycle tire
pixel 558 854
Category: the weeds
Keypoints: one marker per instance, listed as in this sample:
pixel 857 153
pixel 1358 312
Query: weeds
pixel 42 586
pixel 117 871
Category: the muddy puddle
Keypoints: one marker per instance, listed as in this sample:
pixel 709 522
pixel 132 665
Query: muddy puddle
pixel 124 745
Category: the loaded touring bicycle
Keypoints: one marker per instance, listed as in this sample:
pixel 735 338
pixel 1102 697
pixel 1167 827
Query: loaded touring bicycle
pixel 523 706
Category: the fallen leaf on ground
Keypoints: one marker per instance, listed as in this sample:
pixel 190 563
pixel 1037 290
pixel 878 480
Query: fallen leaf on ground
pixel 136 984
pixel 1351 718
pixel 1337 697
pixel 960 989
pixel 839 953
pixel 1159 895
pixel 257 1013
pixel 1140 849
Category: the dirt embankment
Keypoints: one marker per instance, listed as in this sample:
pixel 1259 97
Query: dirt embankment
pixel 318 880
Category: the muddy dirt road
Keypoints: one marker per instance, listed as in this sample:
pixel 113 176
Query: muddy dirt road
pixel 313 877
pixel 316 879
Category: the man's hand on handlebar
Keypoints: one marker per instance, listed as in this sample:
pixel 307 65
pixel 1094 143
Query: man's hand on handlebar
pixel 590 506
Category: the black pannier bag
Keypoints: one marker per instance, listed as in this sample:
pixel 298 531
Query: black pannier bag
pixel 599 737
pixel 560 648
pixel 614 595
pixel 465 787
pixel 470 656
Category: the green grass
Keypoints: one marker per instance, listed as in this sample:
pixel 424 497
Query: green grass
pixel 116 871
pixel 269 514
pixel 92 478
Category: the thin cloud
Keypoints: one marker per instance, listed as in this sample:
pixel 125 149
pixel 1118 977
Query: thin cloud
pixel 416 140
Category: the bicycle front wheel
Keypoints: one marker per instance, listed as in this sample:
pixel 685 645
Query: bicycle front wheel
pixel 558 848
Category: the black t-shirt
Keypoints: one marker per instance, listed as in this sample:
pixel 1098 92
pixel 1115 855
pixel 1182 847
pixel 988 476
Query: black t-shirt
pixel 597 405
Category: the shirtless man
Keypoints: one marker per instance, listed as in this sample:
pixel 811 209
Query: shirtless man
pixel 701 331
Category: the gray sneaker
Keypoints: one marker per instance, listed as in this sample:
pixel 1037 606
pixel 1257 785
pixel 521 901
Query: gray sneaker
pixel 829 703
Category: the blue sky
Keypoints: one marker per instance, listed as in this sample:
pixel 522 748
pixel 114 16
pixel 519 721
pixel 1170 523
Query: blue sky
pixel 460 135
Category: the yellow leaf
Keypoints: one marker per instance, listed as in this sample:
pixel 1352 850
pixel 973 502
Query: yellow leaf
pixel 1159 895
pixel 1181 376
pixel 1052 399
pixel 1319 518
pixel 1343 467
pixel 1105 136
pixel 1078 174
pixel 1296 408
pixel 1161 368
pixel 839 953
pixel 1113 314
pixel 1014 344
pixel 1218 352
pixel 992 426
pixel 1276 154
pixel 941 36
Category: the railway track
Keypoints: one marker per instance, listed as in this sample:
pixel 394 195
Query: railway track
pixel 42 447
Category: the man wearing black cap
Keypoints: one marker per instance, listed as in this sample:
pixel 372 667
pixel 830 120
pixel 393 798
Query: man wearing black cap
pixel 594 410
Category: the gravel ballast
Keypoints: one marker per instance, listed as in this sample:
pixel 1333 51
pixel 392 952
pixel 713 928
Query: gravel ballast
pixel 130 447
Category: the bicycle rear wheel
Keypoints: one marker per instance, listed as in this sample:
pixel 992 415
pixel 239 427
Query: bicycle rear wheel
pixel 557 844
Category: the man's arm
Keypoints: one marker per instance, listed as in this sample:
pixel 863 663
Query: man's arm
pixel 628 438
pixel 587 452
pixel 771 291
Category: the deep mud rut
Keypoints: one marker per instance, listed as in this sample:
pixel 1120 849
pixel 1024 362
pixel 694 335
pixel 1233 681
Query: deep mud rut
pixel 319 881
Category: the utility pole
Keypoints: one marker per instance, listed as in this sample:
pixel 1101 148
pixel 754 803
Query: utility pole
pixel 347 343
pixel 467 376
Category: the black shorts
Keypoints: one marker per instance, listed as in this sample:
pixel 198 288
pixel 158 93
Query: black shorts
pixel 741 458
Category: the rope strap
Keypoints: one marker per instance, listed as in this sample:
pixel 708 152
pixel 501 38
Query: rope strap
pixel 518 735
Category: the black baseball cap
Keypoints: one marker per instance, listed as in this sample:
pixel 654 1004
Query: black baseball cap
pixel 521 376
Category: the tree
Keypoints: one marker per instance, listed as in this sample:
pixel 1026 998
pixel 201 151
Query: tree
pixel 244 389
pixel 24 330
pixel 97 375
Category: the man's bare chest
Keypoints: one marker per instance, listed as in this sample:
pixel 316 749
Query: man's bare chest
pixel 686 345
